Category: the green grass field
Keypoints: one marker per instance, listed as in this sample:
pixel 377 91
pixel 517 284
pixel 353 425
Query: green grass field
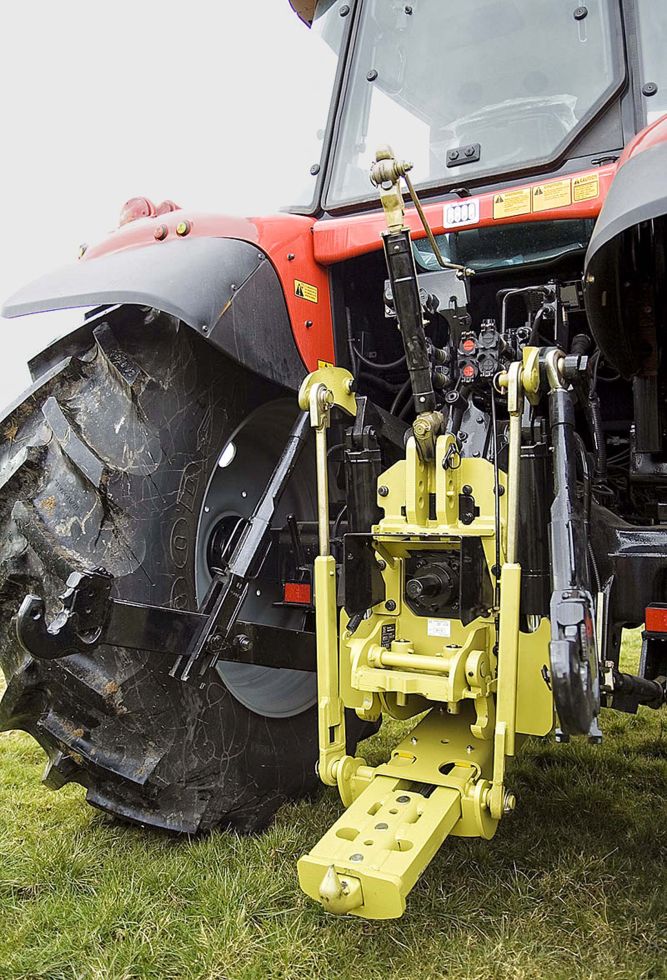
pixel 572 885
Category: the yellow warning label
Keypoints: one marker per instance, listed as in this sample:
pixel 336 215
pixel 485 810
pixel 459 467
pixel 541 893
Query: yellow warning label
pixel 509 203
pixel 555 194
pixel 585 188
pixel 323 364
pixel 305 291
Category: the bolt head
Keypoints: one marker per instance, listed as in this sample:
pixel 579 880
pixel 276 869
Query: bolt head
pixel 390 605
pixel 383 491
pixel 509 803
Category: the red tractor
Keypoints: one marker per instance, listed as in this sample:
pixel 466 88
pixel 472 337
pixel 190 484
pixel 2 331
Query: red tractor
pixel 191 585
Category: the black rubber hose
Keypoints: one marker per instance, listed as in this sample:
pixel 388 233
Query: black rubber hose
pixel 399 397
pixel 378 365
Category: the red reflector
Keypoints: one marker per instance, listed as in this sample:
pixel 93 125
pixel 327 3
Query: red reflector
pixel 297 592
pixel 656 619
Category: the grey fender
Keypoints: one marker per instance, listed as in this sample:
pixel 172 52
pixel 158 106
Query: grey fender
pixel 225 289
pixel 620 261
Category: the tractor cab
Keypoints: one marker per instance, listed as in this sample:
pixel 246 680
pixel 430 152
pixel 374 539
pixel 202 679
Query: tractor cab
pixel 479 93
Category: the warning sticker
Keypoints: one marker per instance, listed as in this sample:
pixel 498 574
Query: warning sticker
pixel 555 194
pixel 439 627
pixel 324 364
pixel 585 188
pixel 305 291
pixel 509 203
pixel 388 635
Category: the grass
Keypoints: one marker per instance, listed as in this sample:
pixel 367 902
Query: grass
pixel 573 884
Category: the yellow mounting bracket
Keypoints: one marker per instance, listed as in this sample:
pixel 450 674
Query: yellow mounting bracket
pixel 510 597
pixel 320 391
pixel 337 381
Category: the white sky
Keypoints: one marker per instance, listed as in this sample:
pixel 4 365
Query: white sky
pixel 102 101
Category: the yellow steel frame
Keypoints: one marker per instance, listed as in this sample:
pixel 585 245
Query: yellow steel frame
pixel 481 683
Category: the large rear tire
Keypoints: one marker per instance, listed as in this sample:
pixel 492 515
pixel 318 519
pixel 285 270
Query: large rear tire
pixel 107 462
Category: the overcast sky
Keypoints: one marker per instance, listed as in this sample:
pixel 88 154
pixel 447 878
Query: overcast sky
pixel 102 101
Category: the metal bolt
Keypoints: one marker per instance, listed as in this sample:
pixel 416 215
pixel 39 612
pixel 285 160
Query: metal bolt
pixel 408 10
pixel 390 605
pixel 315 169
pixel 470 151
pixel 344 10
pixel 649 89
pixel 290 256
pixel 214 642
pixel 371 75
pixel 402 799
pixel 356 857
pixel 580 13
pixel 501 490
pixel 382 826
pixel 382 564
pixel 383 491
pixel 243 643
pixel 466 489
pixel 509 802
pixel 453 154
pixel 308 324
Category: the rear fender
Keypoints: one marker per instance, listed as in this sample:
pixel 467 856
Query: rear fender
pixel 223 288
pixel 625 261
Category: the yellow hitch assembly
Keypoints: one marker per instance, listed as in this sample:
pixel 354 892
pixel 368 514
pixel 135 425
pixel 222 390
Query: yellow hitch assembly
pixel 478 677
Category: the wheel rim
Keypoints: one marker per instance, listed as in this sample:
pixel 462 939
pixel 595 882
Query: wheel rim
pixel 244 466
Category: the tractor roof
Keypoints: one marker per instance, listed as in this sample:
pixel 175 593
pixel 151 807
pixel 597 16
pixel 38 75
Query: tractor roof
pixel 305 9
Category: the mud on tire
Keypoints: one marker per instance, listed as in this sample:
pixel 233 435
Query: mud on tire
pixel 105 463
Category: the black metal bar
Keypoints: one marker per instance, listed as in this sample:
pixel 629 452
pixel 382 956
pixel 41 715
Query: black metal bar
pixel 228 591
pixel 405 291
pixel 574 669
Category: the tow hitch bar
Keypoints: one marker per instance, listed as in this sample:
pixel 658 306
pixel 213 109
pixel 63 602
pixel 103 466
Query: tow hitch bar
pixel 198 639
